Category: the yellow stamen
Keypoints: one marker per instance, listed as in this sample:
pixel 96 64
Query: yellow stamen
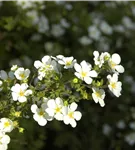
pixel 41 113
pixel 113 64
pixel 22 75
pixel 113 85
pixel 83 74
pixel 68 63
pixel 58 109
pixel 6 124
pixel 70 114
pixel 98 94
pixel 21 93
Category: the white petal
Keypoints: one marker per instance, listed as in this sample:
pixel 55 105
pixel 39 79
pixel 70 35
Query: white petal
pixel 24 86
pixel 78 75
pixel 120 68
pixel 15 96
pixel 77 115
pixel 115 77
pixel 77 67
pixel 73 123
pixel 61 62
pixel 42 122
pixel 3 75
pixel 59 116
pixel 88 80
pixel 66 120
pixel 5 139
pixel 37 64
pixel 59 101
pixel 16 88
pixel 27 72
pixel 51 103
pixel 36 117
pixel 102 103
pixel 93 73
pixel 22 99
pixel 95 98
pixel 116 58
pixel 96 54
pixel 28 92
pixel 50 111
pixel 46 59
pixel 73 106
pixel 34 108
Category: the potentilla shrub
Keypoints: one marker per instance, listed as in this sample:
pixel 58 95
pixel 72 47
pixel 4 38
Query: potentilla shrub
pixel 53 89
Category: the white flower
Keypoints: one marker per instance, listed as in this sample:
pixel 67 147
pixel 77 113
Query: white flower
pixel 20 92
pixel 64 23
pixel 128 22
pixel 6 125
pixel 45 66
pixel 40 115
pixel 94 32
pixel 43 24
pixel 22 74
pixel 98 96
pixel 4 140
pixel 57 30
pixel 71 115
pixel 114 62
pixel 68 62
pixel 105 28
pixel 3 75
pixel 55 108
pixel 84 40
pixel 114 85
pixel 100 59
pixel 84 72
pixel 130 138
pixel 14 67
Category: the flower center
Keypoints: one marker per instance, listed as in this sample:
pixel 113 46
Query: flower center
pixel 98 94
pixel 22 75
pixel 6 124
pixel 41 113
pixel 21 93
pixel 83 74
pixel 113 64
pixel 113 85
pixel 70 114
pixel 58 109
pixel 68 63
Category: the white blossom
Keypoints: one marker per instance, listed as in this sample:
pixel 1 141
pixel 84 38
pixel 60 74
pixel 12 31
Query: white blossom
pixel 100 59
pixel 20 92
pixel 4 141
pixel 94 32
pixel 57 30
pixel 114 85
pixel 98 95
pixel 40 115
pixel 68 62
pixel 6 125
pixel 14 67
pixel 84 72
pixel 130 138
pixel 84 40
pixel 22 74
pixel 71 115
pixel 45 66
pixel 114 62
pixel 55 108
pixel 43 24
pixel 105 28
pixel 3 75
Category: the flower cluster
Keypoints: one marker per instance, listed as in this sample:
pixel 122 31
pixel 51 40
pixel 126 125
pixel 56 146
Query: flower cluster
pixel 6 126
pixel 55 86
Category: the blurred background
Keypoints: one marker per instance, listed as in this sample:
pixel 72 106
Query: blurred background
pixel 30 30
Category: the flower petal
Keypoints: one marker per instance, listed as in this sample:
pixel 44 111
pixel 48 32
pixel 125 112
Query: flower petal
pixel 77 115
pixel 116 58
pixel 34 108
pixel 73 106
